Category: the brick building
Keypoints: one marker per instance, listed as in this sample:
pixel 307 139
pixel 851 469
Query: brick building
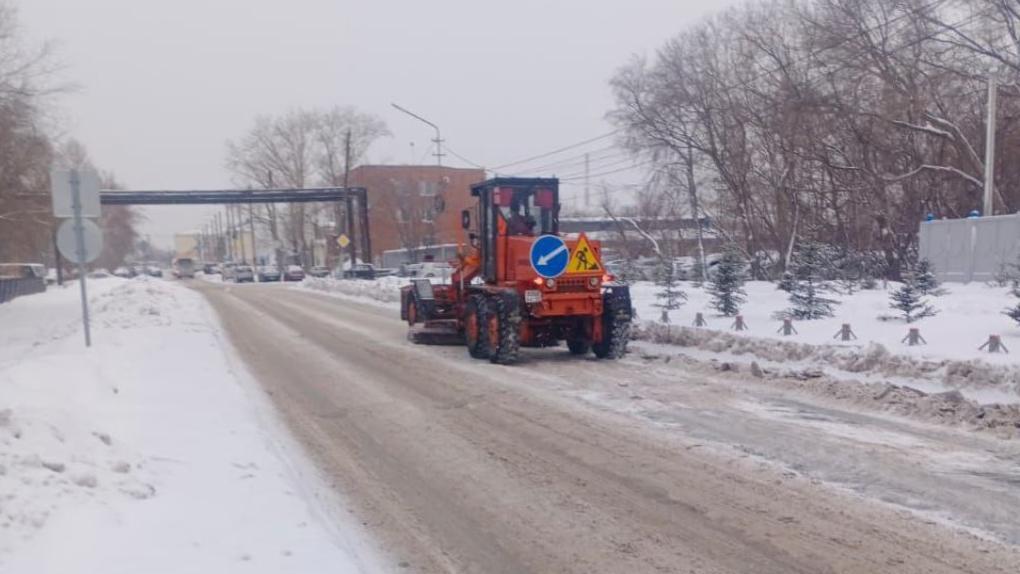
pixel 415 205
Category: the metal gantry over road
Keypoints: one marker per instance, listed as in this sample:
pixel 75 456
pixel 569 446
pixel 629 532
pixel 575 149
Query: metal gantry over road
pixel 356 197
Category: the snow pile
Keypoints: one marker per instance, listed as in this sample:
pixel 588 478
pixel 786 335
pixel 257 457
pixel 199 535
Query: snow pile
pixel 872 358
pixel 382 290
pixel 149 452
pixel 944 407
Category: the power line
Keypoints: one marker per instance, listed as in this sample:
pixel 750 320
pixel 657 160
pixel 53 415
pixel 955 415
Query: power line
pixel 451 151
pixel 556 151
pixel 573 160
pixel 579 173
pixel 610 172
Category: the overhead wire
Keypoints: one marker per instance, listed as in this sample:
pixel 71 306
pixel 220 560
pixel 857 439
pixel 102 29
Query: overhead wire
pixel 571 160
pixel 452 152
pixel 556 151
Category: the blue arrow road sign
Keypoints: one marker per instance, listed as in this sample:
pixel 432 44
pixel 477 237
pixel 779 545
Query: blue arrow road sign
pixel 549 256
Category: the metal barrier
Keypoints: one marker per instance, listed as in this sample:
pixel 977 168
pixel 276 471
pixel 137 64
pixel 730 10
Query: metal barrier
pixel 11 288
pixel 974 249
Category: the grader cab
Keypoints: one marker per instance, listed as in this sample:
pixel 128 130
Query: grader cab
pixel 518 283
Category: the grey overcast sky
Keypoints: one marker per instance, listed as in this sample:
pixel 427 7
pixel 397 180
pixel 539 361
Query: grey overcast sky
pixel 164 84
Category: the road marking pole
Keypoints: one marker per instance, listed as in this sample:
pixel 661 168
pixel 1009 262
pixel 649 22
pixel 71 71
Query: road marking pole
pixel 79 237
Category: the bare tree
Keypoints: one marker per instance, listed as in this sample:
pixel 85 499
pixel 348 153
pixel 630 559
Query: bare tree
pixel 840 121
pixel 299 149
pixel 26 78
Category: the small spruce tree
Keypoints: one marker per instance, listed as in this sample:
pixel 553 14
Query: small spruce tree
pixel 670 296
pixel 787 282
pixel 1014 311
pixel 809 283
pixel 726 285
pixel 697 274
pixel 924 278
pixel 909 300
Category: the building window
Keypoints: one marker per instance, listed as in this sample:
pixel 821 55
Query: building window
pixel 428 188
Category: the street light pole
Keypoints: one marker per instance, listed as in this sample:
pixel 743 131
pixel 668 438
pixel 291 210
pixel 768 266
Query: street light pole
pixel 438 140
pixel 989 199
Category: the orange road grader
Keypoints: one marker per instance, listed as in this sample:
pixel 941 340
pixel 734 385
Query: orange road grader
pixel 518 283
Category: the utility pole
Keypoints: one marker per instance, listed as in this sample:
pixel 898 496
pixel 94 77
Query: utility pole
pixel 230 228
pixel 251 225
pixel 438 140
pixel 218 232
pixel 349 205
pixel 587 181
pixel 239 225
pixel 989 203
pixel 60 260
pixel 696 212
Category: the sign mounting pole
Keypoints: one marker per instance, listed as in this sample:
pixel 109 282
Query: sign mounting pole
pixel 79 237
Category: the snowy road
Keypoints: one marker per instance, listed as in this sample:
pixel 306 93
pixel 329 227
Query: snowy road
pixel 561 465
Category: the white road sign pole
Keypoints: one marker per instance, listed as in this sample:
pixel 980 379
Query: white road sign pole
pixel 79 236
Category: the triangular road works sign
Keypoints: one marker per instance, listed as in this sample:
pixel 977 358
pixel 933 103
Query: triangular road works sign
pixel 583 258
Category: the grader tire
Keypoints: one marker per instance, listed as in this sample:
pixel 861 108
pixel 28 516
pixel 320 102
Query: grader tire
pixel 503 333
pixel 475 327
pixel 578 346
pixel 616 316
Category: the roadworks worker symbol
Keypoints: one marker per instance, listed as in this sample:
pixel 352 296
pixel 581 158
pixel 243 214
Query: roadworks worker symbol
pixel 583 258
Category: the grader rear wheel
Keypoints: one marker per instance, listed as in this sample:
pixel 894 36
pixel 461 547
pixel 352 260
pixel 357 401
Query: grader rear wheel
pixel 475 325
pixel 504 321
pixel 578 346
pixel 412 311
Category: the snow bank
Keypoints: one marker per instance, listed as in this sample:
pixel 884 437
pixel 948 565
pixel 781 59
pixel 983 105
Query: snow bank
pixel 384 290
pixel 150 452
pixel 969 313
pixel 872 358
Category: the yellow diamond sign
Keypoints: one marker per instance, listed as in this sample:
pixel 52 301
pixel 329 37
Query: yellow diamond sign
pixel 583 258
pixel 343 240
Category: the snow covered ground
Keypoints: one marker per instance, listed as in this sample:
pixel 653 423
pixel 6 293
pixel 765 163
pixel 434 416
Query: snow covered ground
pixel 968 314
pixel 951 359
pixel 154 451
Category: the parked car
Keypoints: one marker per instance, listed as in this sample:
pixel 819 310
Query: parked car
pixel 184 268
pixel 269 273
pixel 123 272
pixel 294 273
pixel 153 271
pixel 227 271
pixel 360 271
pixel 209 269
pixel 244 274
pixel 319 271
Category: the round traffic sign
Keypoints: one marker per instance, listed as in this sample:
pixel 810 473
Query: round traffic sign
pixel 67 243
pixel 549 256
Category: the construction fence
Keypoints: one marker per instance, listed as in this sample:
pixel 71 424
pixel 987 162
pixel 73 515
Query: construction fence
pixel 11 288
pixel 973 249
